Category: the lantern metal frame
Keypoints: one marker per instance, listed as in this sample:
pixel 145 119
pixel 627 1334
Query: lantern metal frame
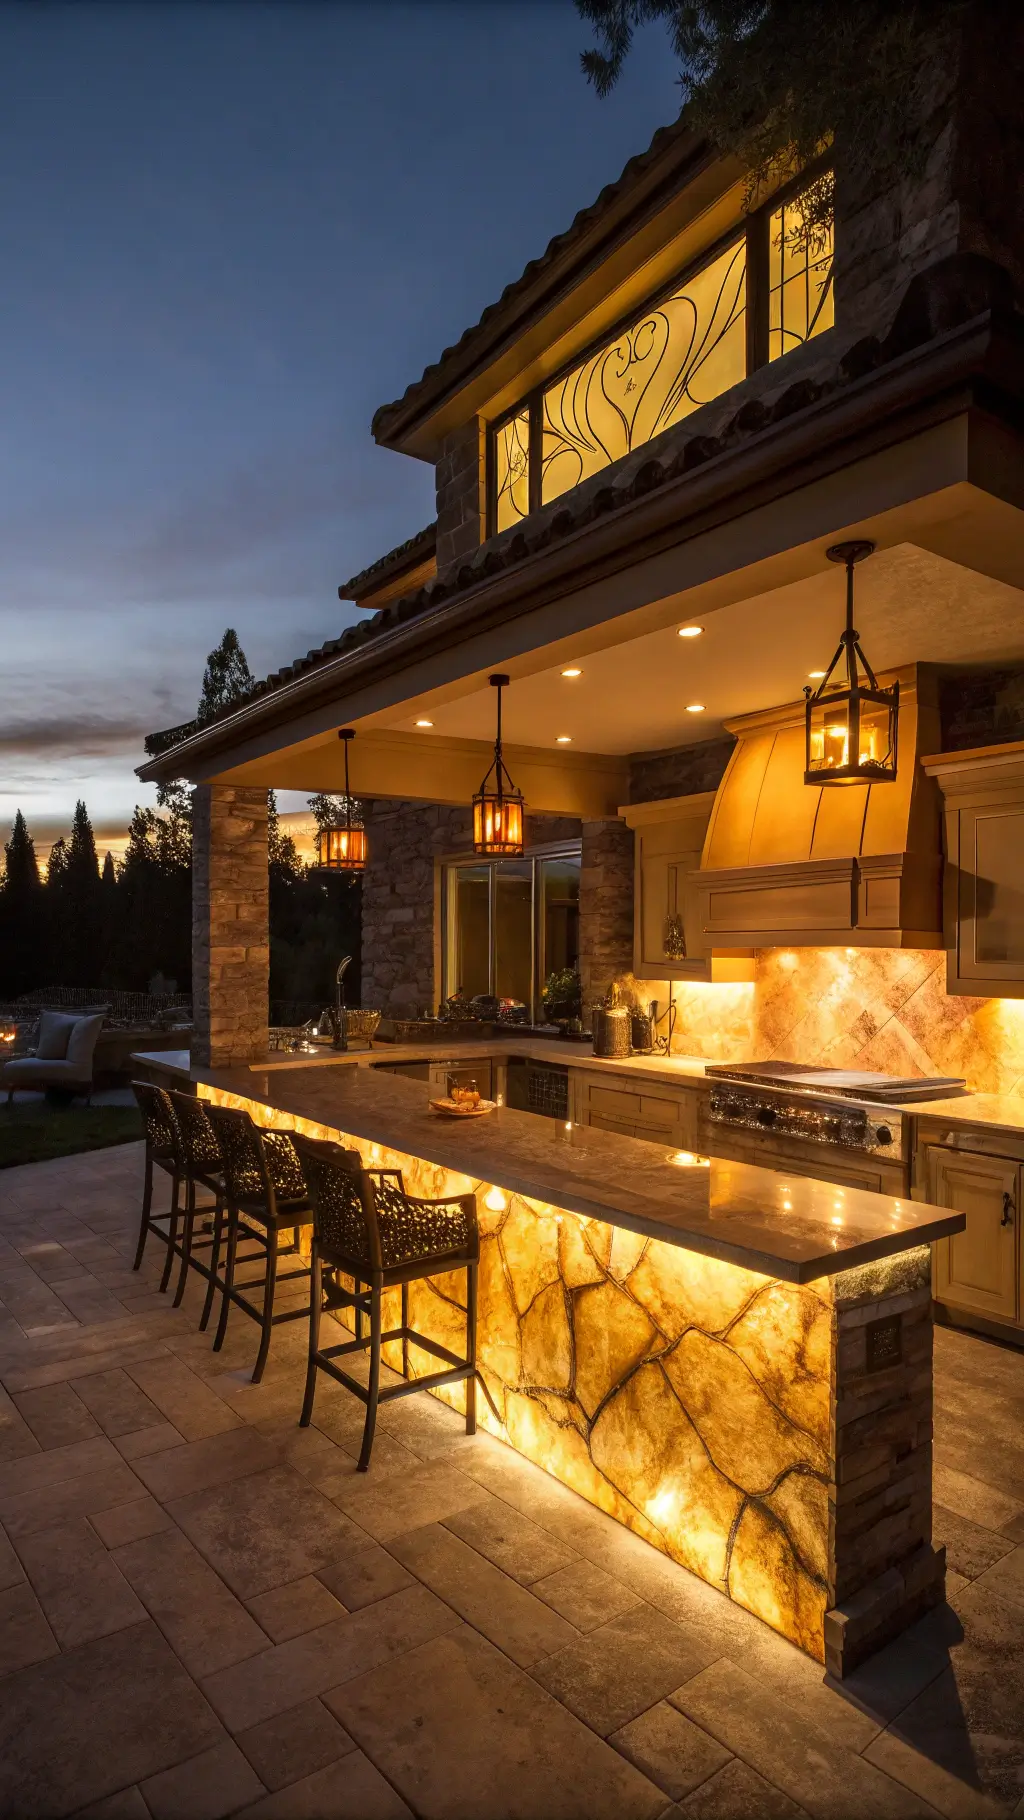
pixel 498 807
pixel 341 844
pixel 851 699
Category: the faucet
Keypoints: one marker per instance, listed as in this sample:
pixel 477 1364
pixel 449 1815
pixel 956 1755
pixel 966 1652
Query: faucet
pixel 339 1021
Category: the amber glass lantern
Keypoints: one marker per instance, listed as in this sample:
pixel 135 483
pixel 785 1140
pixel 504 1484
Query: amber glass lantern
pixel 852 724
pixel 498 806
pixel 341 844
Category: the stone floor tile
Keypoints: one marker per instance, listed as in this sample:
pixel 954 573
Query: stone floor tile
pixel 215 1460
pixel 48 1505
pixel 309 1450
pixel 25 1636
pixel 253 1691
pixel 129 1522
pixel 265 1530
pixel 524 1627
pixel 462 1733
pixel 116 1401
pixel 295 1744
pixel 203 1622
pixel 217 1782
pixel 789 1751
pixel 16 1437
pixel 615 1673
pixel 889 1680
pixel 737 1792
pixel 287 1611
pixel 351 1789
pixel 363 1573
pixel 83 1359
pixel 520 1548
pixel 183 1398
pixel 585 1594
pixel 79 1587
pixel 970 1548
pixel 126 1804
pixel 11 1571
pixel 1006 1576
pixel 956 1799
pixel 404 1501
pixel 973 1498
pixel 670 1749
pixel 845 1710
pixel 54 1466
pixel 56 1416
pixel 123 1708
pixel 143 1441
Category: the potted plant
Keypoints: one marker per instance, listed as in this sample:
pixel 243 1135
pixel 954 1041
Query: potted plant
pixel 561 996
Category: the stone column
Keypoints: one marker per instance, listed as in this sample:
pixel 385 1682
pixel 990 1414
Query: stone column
pixel 230 924
pixel 461 495
pixel 606 906
pixel 404 841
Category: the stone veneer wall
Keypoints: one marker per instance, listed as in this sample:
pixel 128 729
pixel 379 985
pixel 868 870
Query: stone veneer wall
pixel 606 907
pixel 881 1008
pixel 460 481
pixel 230 924
pixel 405 841
pixel 684 771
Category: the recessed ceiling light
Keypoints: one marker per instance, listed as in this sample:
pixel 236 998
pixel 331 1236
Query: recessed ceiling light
pixel 695 707
pixel 690 631
pixel 572 672
pixel 564 739
pixel 424 723
pixel 815 675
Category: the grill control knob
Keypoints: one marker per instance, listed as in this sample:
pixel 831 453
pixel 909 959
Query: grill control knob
pixel 883 1135
pixel 766 1115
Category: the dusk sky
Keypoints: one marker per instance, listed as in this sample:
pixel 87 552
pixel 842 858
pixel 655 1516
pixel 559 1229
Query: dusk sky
pixel 228 233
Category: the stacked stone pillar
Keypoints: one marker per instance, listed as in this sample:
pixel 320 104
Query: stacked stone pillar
pixel 606 906
pixel 230 924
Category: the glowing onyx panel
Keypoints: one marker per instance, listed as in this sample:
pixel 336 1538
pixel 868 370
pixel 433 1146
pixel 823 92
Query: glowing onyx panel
pixel 512 470
pixel 679 355
pixel 800 295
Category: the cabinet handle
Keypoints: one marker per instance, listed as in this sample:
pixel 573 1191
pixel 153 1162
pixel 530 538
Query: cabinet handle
pixel 1008 1210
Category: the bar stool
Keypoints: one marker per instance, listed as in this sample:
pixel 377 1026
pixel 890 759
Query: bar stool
pixel 366 1226
pixel 263 1181
pixel 163 1149
pixel 201 1162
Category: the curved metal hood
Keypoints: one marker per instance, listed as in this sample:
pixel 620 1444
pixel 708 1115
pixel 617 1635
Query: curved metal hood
pixel 785 864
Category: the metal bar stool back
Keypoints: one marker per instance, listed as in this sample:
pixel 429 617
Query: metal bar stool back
pixel 263 1183
pixel 201 1161
pixel 163 1150
pixel 367 1228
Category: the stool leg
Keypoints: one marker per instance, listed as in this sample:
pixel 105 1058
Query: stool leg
pixel 229 1279
pixel 172 1233
pixel 268 1304
pixel 315 1303
pixel 357 1284
pixel 471 1276
pixel 186 1240
pixel 211 1287
pixel 405 1330
pixel 373 1387
pixel 147 1202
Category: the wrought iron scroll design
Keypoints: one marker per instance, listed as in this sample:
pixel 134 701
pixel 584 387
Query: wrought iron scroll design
pixel 512 461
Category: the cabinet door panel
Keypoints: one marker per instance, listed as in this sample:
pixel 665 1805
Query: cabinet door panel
pixel 977 1269
pixel 992 892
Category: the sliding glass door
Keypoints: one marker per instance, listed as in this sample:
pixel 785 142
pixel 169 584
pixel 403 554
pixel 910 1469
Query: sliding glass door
pixel 510 924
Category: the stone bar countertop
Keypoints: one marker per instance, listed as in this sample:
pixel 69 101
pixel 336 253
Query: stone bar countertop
pixel 780 1225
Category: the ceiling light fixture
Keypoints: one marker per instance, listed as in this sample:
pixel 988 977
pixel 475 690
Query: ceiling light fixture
pixel 690 631
pixel 695 707
pixel 424 723
pixel 572 672
pixel 851 727
pixel 564 739
pixel 498 806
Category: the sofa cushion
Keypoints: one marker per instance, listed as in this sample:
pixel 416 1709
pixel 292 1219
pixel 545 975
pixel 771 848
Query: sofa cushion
pixel 54 1031
pixel 82 1042
pixel 29 1071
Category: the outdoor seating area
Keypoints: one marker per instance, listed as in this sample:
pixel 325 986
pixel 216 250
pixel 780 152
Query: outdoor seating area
pixel 215 1612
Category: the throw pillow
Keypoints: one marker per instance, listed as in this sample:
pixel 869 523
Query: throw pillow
pixel 82 1042
pixel 54 1032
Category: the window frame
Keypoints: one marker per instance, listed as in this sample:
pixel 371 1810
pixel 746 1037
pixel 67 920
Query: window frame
pixel 756 233
pixel 454 862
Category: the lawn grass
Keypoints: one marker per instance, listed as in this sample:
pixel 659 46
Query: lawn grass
pixel 31 1134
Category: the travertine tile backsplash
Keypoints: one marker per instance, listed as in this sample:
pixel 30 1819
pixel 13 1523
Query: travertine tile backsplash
pixel 882 1008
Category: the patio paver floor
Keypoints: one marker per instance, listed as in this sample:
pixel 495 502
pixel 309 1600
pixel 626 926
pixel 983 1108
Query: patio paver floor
pixel 205 1611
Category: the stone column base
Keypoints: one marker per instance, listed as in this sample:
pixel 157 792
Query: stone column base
pixel 884 1608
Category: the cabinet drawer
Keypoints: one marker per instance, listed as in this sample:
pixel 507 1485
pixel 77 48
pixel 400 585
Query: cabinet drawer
pixel 600 1121
pixel 614 1101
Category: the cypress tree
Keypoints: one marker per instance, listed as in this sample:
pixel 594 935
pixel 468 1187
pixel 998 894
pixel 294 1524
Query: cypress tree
pixel 22 947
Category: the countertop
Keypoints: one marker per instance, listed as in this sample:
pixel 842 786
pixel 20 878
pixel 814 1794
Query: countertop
pixel 779 1225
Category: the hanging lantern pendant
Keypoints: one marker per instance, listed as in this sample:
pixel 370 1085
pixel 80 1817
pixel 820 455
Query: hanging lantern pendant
pixel 498 806
pixel 852 729
pixel 341 846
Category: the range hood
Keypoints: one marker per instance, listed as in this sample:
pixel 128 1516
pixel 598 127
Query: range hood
pixel 788 865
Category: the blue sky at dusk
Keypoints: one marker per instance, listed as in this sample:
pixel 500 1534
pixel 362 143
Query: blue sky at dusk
pixel 228 233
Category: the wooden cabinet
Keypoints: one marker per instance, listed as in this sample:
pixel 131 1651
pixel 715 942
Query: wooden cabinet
pixel 662 1115
pixel 977 1270
pixel 983 793
pixel 668 933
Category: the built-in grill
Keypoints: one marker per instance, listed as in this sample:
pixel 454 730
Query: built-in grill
pixel 840 1124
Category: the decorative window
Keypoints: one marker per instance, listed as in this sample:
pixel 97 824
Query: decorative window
pixel 766 292
pixel 800 301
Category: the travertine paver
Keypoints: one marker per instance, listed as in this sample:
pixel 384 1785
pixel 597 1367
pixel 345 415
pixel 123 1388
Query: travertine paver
pixel 213 1613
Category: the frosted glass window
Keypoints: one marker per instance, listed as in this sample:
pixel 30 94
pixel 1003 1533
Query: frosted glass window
pixel 512 470
pixel 800 299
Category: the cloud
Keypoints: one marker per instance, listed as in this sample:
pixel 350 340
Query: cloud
pixel 77 735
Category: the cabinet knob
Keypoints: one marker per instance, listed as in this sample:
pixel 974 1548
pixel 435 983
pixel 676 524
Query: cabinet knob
pixel 883 1135
pixel 1008 1210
